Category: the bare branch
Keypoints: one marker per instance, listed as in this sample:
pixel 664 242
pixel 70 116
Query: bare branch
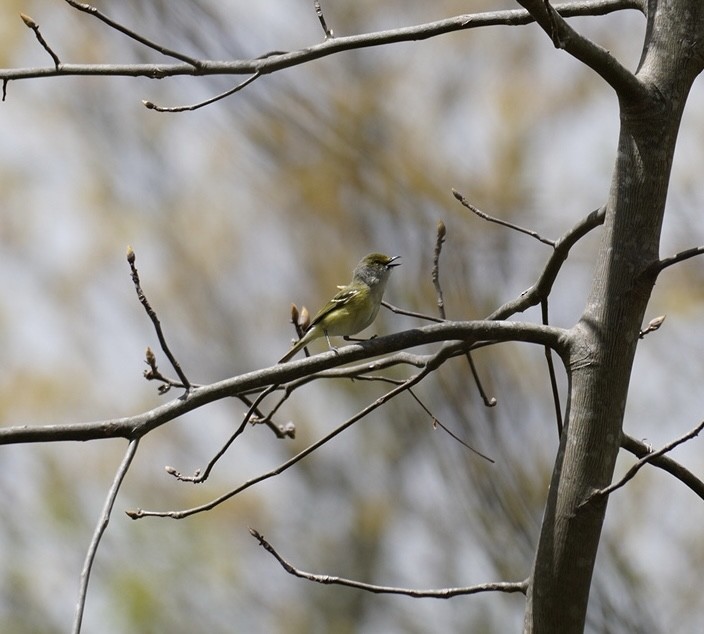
pixel 435 275
pixel 498 221
pixel 35 27
pixel 563 36
pixel 439 240
pixel 86 8
pixel 410 313
pixel 100 530
pixel 139 513
pixel 278 60
pixel 659 266
pixel 319 12
pixel 437 423
pixel 541 289
pixel 458 336
pixel 640 449
pixel 551 371
pixel 631 473
pixel 155 320
pixel 442 593
pixel 152 106
pixel 199 476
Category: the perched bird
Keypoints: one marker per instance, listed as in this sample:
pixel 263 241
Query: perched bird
pixel 356 305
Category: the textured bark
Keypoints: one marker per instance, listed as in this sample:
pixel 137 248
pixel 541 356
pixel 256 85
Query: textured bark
pixel 603 343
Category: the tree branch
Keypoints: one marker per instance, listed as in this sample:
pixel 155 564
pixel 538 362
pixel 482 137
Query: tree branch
pixel 272 62
pixel 154 318
pixel 442 593
pixel 674 468
pixel 86 8
pixel 499 221
pixel 458 335
pixel 541 289
pixel 601 494
pixel 661 265
pixel 563 36
pixel 99 531
pixel 406 385
pixel 40 38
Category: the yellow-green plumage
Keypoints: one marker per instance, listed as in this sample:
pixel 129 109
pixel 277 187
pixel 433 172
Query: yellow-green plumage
pixel 356 305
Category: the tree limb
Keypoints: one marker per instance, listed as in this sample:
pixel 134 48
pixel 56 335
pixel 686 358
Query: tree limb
pixel 623 81
pixel 441 593
pixel 86 8
pixel 405 385
pixel 271 62
pixel 541 289
pixel 649 457
pixel 100 530
pixel 674 468
pixel 467 333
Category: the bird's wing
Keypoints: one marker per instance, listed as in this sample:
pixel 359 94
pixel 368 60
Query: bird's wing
pixel 340 299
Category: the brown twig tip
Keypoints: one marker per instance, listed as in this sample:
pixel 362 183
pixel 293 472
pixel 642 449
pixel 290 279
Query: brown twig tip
pixel 255 533
pixel 149 105
pixel 304 319
pixel 294 314
pixel 28 21
pixel 442 230
pixel 319 12
pixel 150 357
pixel 653 325
pixel 130 255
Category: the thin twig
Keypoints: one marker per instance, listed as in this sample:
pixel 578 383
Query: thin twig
pixel 437 423
pixel 152 106
pixel 441 593
pixel 319 12
pixel 631 473
pixel 439 240
pixel 410 313
pixel 551 371
pixel 35 27
pixel 100 530
pixel 139 513
pixel 498 221
pixel 199 476
pixel 155 320
pixel 455 336
pixel 281 59
pixel 639 449
pixel 541 289
pixel 554 31
pixel 86 8
pixel 675 259
pixel 489 401
pixel 551 19
pixel 154 374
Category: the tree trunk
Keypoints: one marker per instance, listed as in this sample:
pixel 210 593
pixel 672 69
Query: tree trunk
pixel 603 343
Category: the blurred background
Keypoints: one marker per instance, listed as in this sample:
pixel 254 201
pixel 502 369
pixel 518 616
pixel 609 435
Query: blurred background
pixel 271 197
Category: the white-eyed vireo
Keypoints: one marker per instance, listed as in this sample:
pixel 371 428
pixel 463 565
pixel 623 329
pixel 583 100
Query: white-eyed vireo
pixel 354 307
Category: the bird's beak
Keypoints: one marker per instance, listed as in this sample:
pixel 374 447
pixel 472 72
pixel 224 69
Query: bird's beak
pixel 392 263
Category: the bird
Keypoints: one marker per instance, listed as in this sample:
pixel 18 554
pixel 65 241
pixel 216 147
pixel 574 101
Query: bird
pixel 354 307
